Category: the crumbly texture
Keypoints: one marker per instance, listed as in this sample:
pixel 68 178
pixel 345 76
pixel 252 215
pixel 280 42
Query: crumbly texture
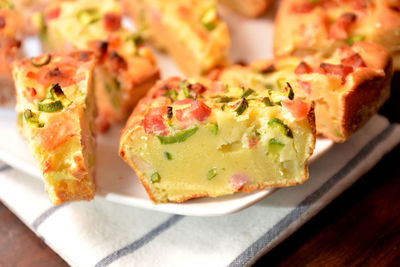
pixel 348 88
pixel 56 111
pixel 190 31
pixel 305 27
pixel 248 8
pixel 188 139
pixel 125 67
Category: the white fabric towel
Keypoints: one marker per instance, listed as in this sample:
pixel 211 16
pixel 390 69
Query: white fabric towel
pixel 101 233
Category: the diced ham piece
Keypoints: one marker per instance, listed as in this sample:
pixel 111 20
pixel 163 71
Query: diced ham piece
pixel 111 21
pixel 238 180
pixel 306 86
pixel 340 29
pixel 51 14
pixel 354 61
pixel 304 7
pixel 303 68
pixel 297 108
pixel 253 142
pixel 185 101
pixel 153 122
pixel 340 70
pixel 200 111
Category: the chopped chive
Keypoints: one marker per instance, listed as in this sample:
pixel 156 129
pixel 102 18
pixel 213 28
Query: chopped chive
pixel 211 173
pixel 275 146
pixel 167 155
pixel 89 16
pixel 41 61
pixel 209 19
pixel 290 93
pixel 247 93
pixel 281 82
pixel 223 107
pixel 178 137
pixel 224 99
pixel 155 177
pixel 172 94
pixel 355 38
pixel 135 38
pixel 275 122
pixel 243 105
pixel 267 102
pixel 213 127
pixel 183 86
pixel 32 118
pixel 48 105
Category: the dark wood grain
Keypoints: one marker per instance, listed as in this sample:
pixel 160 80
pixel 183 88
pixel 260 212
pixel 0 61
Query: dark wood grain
pixel 21 247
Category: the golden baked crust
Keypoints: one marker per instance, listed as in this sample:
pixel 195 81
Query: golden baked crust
pixel 125 68
pixel 319 27
pixel 348 87
pixel 10 45
pixel 190 31
pixel 56 110
pixel 183 148
pixel 248 8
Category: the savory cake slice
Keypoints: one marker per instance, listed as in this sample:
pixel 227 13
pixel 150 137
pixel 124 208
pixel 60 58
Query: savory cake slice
pixel 56 111
pixel 347 88
pixel 189 30
pixel 248 8
pixel 10 45
pixel 304 27
pixel 188 139
pixel 125 68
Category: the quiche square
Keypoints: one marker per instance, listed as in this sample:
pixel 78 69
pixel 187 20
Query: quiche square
pixel 348 88
pixel 188 139
pixel 189 31
pixel 125 68
pixel 305 27
pixel 56 115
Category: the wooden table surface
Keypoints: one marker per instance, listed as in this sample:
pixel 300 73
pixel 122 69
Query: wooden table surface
pixel 359 228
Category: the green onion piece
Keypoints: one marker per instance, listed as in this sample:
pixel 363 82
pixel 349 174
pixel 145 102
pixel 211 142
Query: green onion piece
pixel 281 82
pixel 213 127
pixel 89 16
pixel 275 122
pixel 155 177
pixel 40 61
pixel 355 38
pixel 223 107
pixel 172 94
pixel 135 38
pixel 269 86
pixel 209 19
pixel 211 173
pixel 242 106
pixel 178 137
pixel 167 155
pixel 224 99
pixel 247 93
pixel 49 105
pixel 290 92
pixel 267 102
pixel 54 92
pixel 183 86
pixel 32 118
pixel 42 26
pixel 274 146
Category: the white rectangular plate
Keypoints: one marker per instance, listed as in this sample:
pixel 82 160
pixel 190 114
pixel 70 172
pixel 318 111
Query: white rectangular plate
pixel 117 182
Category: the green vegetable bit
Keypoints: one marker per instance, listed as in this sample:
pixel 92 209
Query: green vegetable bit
pixel 242 106
pixel 224 99
pixel 275 122
pixel 281 82
pixel 32 118
pixel 355 38
pixel 213 127
pixel 290 92
pixel 211 173
pixel 135 38
pixel 183 86
pixel 275 146
pixel 167 155
pixel 247 93
pixel 209 19
pixel 42 26
pixel 155 177
pixel 89 16
pixel 267 102
pixel 41 61
pixel 49 105
pixel 172 94
pixel 178 137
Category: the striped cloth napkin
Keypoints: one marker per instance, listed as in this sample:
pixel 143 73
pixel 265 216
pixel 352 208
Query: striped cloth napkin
pixel 101 233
